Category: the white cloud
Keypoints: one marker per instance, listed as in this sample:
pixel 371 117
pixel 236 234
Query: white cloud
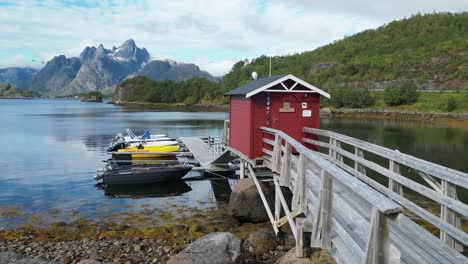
pixel 18 60
pixel 217 68
pixel 211 32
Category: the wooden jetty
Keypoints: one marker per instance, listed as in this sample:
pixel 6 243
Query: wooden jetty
pixel 355 217
pixel 209 152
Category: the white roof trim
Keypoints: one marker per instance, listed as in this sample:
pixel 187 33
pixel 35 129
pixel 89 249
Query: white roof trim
pixel 294 78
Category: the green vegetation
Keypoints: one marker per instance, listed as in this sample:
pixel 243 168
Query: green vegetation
pixel 429 49
pixel 428 102
pixel 93 96
pixel 193 91
pixel 403 93
pixel 351 97
pixel 9 91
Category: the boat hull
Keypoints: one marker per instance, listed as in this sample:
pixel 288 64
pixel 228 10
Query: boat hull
pixel 144 174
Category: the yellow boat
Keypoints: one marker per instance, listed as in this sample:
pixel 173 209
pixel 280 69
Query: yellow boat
pixel 141 153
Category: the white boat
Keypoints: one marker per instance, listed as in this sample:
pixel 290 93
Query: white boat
pixel 132 140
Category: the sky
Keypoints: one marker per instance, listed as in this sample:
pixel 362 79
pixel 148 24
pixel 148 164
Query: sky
pixel 212 34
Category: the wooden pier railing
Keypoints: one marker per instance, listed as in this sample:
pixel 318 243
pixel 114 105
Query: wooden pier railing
pixel 355 217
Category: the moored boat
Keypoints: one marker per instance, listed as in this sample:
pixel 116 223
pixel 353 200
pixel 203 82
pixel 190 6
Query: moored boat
pixel 150 151
pixel 132 174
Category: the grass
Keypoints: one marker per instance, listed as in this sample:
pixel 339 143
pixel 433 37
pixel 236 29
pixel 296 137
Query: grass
pixel 428 102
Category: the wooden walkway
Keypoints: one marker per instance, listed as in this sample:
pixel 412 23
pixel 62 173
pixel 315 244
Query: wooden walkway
pixel 355 217
pixel 210 159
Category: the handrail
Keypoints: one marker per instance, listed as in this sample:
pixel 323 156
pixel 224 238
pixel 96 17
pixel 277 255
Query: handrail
pixel 382 203
pixel 441 191
pixel 451 175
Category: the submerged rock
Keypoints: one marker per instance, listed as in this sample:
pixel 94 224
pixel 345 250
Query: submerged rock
pixel 245 204
pixel 218 247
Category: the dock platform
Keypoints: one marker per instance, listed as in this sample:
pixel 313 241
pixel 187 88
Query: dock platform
pixel 204 154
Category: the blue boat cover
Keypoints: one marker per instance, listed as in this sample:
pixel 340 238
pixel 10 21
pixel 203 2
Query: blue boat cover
pixel 146 135
pixel 130 133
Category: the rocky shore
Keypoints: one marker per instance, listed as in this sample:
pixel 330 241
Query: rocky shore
pixel 186 235
pixel 260 247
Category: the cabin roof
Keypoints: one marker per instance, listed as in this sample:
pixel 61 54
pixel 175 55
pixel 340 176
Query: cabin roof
pixel 260 85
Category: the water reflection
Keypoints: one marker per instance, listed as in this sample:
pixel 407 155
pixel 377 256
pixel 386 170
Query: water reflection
pixel 139 191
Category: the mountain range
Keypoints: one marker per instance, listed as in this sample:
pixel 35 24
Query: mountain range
pixel 98 68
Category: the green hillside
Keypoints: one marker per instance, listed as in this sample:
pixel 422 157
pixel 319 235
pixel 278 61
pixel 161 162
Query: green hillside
pixel 430 49
pixel 9 91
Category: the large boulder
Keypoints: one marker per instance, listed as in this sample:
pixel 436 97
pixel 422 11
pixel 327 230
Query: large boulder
pixel 245 203
pixel 263 240
pixel 214 248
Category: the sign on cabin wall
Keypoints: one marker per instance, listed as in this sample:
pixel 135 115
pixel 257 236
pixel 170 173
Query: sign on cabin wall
pixel 287 108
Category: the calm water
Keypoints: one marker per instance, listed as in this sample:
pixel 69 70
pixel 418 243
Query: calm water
pixel 51 149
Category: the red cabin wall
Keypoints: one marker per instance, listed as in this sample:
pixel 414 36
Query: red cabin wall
pixel 240 124
pixel 248 115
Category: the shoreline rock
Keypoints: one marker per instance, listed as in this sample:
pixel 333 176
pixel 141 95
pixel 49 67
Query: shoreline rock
pixel 395 114
pixel 245 204
pixel 214 248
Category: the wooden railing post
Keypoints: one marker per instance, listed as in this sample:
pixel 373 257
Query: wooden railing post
pixel 299 201
pixel 334 154
pixel 285 174
pixel 276 158
pixel 449 216
pixel 393 185
pixel 378 242
pixel 360 153
pixel 321 232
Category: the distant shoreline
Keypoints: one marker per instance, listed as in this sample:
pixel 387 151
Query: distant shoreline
pixel 2 97
pixel 162 106
pixel 454 119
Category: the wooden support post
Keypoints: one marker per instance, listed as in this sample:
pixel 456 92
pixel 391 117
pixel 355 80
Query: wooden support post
pixel 378 241
pixel 360 153
pixel 393 185
pixel 449 216
pixel 285 174
pixel 321 232
pixel 302 225
pixel 242 169
pixel 262 197
pixel 277 202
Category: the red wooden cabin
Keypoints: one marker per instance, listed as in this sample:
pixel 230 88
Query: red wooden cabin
pixel 282 102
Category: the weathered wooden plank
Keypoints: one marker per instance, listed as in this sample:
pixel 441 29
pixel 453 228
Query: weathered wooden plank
pixel 268 141
pixel 451 230
pixel 420 240
pixel 451 175
pixel 344 253
pixel 267 151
